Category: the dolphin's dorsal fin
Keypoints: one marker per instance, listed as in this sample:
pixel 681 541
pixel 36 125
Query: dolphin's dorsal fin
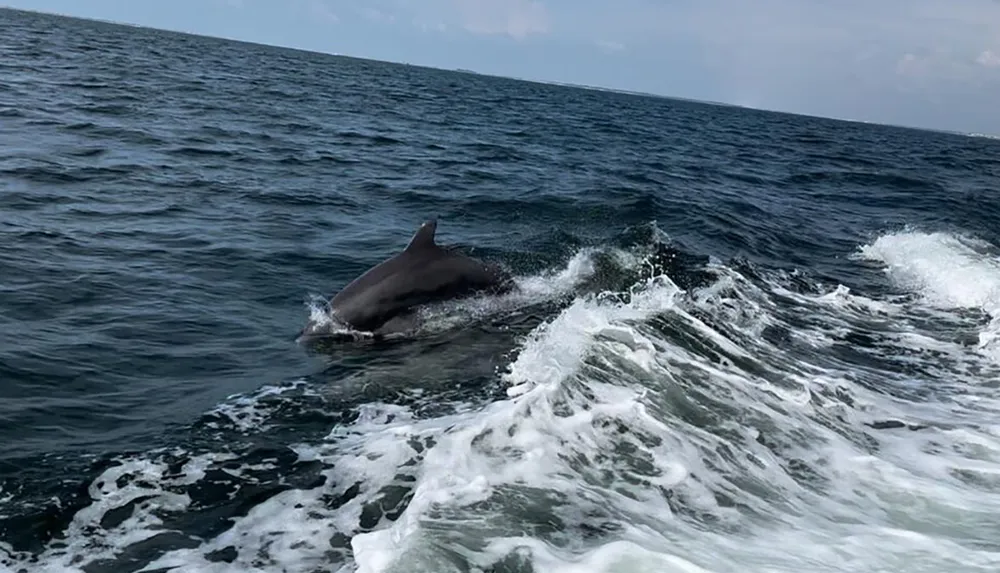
pixel 424 237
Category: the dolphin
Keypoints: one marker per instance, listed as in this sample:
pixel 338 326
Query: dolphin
pixel 384 299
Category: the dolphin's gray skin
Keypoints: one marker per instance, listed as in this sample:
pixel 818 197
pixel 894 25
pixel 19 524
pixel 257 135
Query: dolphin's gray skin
pixel 384 299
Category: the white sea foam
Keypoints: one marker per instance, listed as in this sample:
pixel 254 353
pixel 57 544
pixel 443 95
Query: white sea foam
pixel 530 289
pixel 246 412
pixel 948 271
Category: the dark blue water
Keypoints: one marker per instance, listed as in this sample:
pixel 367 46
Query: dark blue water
pixel 169 205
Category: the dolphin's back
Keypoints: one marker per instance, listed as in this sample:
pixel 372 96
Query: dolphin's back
pixel 420 274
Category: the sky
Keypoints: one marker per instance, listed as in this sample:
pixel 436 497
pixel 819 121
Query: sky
pixel 921 63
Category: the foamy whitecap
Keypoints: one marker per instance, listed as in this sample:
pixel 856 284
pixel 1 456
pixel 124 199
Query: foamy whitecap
pixel 948 271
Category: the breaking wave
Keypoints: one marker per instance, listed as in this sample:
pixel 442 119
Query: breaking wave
pixel 760 417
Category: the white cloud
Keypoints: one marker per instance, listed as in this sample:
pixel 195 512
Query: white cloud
pixel 786 45
pixel 610 47
pixel 321 10
pixel 426 26
pixel 515 18
pixel 988 58
pixel 910 65
pixel 376 15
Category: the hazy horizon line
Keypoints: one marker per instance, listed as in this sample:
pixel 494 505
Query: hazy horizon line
pixel 586 87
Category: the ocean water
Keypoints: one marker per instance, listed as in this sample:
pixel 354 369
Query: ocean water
pixel 742 341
